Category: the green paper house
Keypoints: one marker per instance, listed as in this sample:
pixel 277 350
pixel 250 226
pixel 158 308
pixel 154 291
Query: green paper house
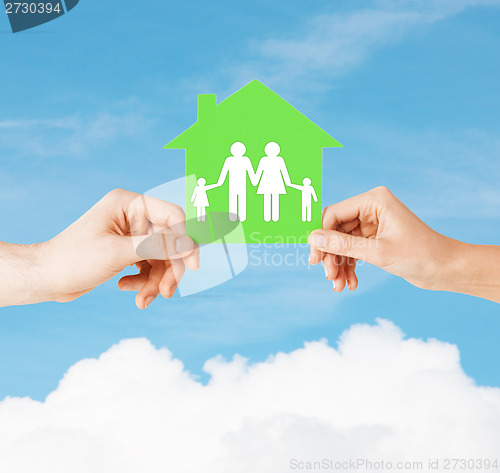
pixel 254 159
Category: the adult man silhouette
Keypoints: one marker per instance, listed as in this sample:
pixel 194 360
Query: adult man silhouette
pixel 237 166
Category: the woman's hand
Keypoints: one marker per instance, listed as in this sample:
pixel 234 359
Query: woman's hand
pixel 378 228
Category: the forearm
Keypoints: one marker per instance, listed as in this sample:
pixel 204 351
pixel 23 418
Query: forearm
pixel 21 275
pixel 475 271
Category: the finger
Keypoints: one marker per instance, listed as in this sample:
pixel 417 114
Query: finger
pixel 347 227
pixel 350 269
pixel 330 265
pixel 158 246
pixel 350 209
pixel 350 274
pixel 134 282
pixel 171 278
pixel 339 281
pixel 157 212
pixel 338 243
pixel 145 216
pixel 136 212
pixel 345 211
pixel 192 261
pixel 150 290
pixel 315 256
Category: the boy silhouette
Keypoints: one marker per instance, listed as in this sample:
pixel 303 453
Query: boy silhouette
pixel 308 194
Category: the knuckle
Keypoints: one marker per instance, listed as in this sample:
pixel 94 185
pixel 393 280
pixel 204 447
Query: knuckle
pixel 178 219
pixel 381 194
pixel 164 291
pixel 327 211
pixel 165 288
pixel 346 244
pixel 340 244
pixel 178 209
pixel 382 190
pixel 116 194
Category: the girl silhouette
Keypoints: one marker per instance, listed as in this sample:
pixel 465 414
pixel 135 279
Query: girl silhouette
pixel 271 172
pixel 200 199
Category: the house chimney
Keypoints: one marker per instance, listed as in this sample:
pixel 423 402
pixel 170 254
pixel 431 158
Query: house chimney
pixel 206 106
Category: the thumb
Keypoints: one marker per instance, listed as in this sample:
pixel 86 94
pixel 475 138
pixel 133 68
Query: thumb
pixel 344 244
pixel 158 246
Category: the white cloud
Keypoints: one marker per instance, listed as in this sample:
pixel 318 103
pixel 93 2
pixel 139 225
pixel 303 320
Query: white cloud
pixel 330 45
pixel 335 43
pixel 71 135
pixel 377 396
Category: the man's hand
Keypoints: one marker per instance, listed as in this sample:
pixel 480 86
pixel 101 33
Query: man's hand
pixel 378 228
pixel 122 229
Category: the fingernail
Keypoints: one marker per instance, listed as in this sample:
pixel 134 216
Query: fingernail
pixel 183 244
pixel 126 287
pixel 334 285
pixel 348 285
pixel 313 259
pixel 318 240
pixel 326 273
pixel 148 301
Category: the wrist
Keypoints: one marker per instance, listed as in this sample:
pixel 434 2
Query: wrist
pixel 441 264
pixel 470 269
pixel 476 271
pixel 43 287
pixel 22 274
pixel 36 285
pixel 456 267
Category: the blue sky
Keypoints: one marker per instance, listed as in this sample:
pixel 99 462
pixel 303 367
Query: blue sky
pixel 410 89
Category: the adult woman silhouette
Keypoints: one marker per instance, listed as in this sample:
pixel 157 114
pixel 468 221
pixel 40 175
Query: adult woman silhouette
pixel 271 172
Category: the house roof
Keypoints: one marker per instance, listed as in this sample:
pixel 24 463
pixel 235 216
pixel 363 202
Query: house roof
pixel 253 97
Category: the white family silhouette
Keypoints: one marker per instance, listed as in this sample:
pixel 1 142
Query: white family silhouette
pixel 271 177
